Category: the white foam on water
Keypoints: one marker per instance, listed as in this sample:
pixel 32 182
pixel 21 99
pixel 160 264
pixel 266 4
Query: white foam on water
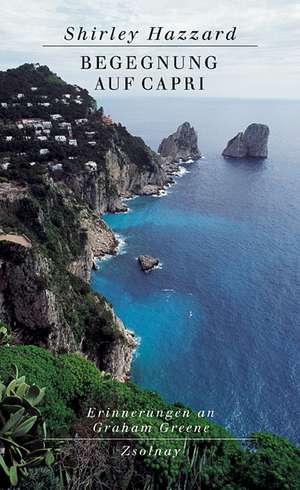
pixel 182 171
pixel 182 162
pixel 128 210
pixel 131 198
pixel 161 193
pixel 169 293
pixel 120 250
pixel 136 350
pixel 104 258
pixel 122 244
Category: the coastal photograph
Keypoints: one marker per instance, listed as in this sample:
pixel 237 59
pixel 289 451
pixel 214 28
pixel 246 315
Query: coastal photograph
pixel 149 246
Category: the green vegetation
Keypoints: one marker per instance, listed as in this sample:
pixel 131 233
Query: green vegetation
pixel 74 384
pixel 5 336
pixel 22 430
pixel 24 146
pixel 91 318
pixel 21 79
pixel 135 148
pixel 42 478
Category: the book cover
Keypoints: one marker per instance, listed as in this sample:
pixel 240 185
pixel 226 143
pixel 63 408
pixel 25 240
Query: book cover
pixel 149 245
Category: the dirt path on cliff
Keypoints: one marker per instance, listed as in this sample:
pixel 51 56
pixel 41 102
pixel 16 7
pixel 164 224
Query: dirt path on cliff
pixel 19 239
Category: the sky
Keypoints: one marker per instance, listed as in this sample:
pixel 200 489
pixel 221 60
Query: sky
pixel 272 70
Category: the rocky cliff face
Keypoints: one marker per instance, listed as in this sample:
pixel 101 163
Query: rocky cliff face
pixel 27 301
pixel 103 189
pixel 44 295
pixel 100 241
pixel 116 357
pixel 53 201
pixel 181 145
pixel 253 143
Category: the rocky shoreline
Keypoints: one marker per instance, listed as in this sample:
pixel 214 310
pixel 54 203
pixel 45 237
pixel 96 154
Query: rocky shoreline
pixel 178 149
pixel 45 297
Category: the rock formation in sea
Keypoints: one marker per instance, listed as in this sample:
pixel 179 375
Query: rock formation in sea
pixel 180 146
pixel 147 262
pixel 253 143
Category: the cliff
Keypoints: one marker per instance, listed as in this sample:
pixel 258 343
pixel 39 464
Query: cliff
pixel 55 127
pixel 120 176
pixel 180 146
pixel 44 293
pixel 62 165
pixel 253 143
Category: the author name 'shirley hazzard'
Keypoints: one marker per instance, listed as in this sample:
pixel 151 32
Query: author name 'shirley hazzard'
pixel 150 34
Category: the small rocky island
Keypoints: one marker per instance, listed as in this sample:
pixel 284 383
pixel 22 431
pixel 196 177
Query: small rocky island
pixel 147 263
pixel 180 146
pixel 253 143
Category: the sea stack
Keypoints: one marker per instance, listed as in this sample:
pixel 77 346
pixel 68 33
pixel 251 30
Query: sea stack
pixel 253 143
pixel 180 146
pixel 147 263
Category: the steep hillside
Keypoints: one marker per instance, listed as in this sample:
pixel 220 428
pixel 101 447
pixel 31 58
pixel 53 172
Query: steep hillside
pixel 53 125
pixel 62 162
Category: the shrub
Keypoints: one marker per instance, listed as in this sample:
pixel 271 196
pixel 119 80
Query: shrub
pixel 22 430
pixel 5 337
pixel 41 368
pixel 40 479
pixel 69 378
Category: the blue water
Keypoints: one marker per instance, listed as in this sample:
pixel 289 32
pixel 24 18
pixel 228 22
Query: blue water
pixel 220 322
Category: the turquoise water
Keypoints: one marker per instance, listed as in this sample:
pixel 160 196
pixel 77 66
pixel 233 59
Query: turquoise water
pixel 219 322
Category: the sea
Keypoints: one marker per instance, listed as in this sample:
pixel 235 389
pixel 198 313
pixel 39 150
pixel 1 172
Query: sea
pixel 218 321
